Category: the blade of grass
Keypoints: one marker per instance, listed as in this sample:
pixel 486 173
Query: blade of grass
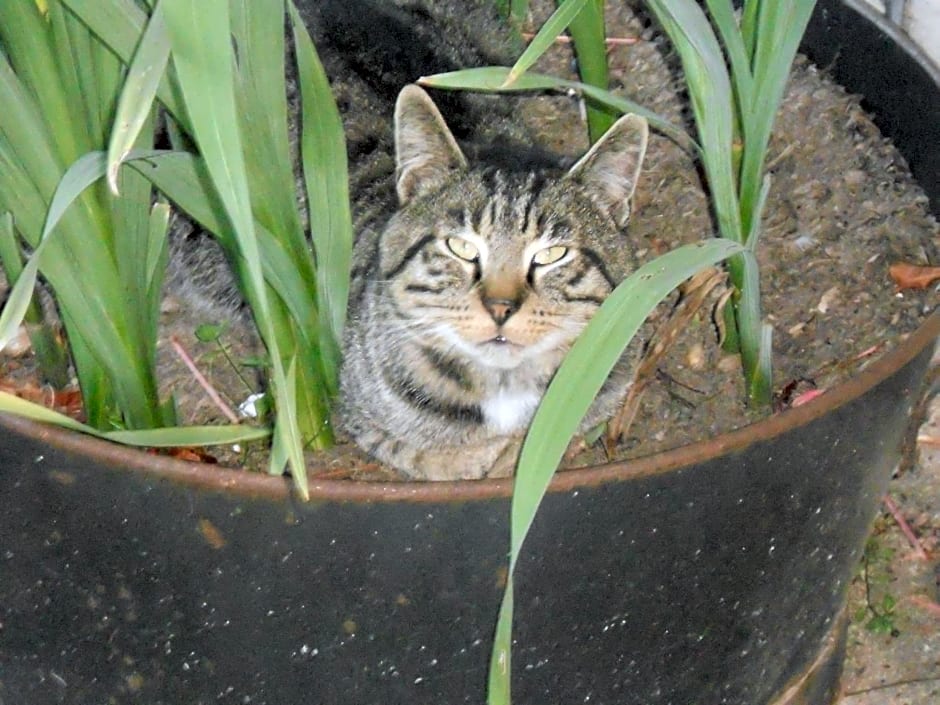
pixel 712 102
pixel 779 29
pixel 722 13
pixel 24 34
pixel 570 394
pixel 53 360
pixel 545 38
pixel 140 88
pixel 588 32
pixel 120 25
pixel 183 178
pixel 491 79
pixel 518 9
pixel 326 178
pixel 261 92
pixel 202 53
pixel 150 438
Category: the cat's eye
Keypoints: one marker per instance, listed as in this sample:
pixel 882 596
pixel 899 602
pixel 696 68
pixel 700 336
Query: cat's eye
pixel 463 249
pixel 549 255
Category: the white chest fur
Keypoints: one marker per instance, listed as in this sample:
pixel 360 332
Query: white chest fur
pixel 509 411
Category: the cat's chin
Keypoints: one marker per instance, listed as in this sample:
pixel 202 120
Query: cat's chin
pixel 500 353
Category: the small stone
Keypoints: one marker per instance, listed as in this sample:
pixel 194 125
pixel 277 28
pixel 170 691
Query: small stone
pixel 730 363
pixel 855 177
pixel 828 299
pixel 695 358
pixel 19 345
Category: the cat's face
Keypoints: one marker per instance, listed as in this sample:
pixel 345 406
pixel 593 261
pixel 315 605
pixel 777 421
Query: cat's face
pixel 503 268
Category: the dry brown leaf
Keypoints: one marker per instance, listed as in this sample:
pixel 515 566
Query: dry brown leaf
pixel 913 276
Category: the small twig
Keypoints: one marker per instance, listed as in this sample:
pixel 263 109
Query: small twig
pixel 926 603
pixel 779 158
pixel 930 441
pixel 609 41
pixel 905 528
pixel 694 292
pixel 203 382
pixel 896 684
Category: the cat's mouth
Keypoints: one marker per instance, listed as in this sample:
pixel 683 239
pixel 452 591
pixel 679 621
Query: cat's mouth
pixel 501 341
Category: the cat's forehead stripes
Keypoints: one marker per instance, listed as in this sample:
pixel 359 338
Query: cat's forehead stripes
pixel 509 203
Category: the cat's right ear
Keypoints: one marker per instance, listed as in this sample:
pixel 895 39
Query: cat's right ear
pixel 611 168
pixel 426 153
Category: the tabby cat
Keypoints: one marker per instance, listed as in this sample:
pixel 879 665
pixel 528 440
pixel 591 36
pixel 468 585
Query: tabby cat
pixel 466 300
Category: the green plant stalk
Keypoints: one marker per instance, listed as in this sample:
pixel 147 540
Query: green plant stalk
pixel 587 32
pixel 725 117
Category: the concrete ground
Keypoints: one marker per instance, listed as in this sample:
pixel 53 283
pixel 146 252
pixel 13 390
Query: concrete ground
pixel 894 651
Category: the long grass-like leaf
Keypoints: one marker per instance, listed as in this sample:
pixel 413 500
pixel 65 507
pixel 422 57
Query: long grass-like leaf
pixel 780 26
pixel 202 53
pixel 325 174
pixel 25 36
pixel 183 178
pixel 51 355
pixel 588 33
pixel 722 13
pixel 140 88
pixel 578 380
pixel 545 38
pixel 149 438
pixel 82 174
pixel 492 79
pixel 712 102
pixel 120 25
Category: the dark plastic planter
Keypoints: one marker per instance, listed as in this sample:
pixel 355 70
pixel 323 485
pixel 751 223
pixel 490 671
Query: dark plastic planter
pixel 712 574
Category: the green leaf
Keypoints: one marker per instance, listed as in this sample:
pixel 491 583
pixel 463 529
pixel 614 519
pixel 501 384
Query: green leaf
pixel 209 332
pixel 543 40
pixel 492 79
pixel 722 13
pixel 203 56
pixel 710 92
pixel 571 392
pixel 498 689
pixel 120 25
pixel 325 173
pixel 149 438
pixel 140 88
pixel 590 46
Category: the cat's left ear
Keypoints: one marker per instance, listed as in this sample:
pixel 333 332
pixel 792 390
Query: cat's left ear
pixel 611 168
pixel 426 153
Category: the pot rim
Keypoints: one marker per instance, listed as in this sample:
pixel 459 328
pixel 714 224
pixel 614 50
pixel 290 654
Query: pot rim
pixel 255 484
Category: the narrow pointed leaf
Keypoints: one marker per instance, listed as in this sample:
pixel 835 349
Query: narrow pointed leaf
pixel 543 40
pixel 140 88
pixel 325 173
pixel 572 390
pixel 492 79
pixel 148 438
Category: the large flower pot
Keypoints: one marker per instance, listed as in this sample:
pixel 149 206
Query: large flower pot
pixel 715 573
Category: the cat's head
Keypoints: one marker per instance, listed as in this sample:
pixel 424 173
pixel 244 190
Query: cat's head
pixel 501 266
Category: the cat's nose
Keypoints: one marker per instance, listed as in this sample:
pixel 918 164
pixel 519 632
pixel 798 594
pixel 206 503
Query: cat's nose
pixel 501 309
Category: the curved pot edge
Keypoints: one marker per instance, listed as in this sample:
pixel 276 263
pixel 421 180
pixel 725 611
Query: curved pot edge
pixel 214 478
pixel 895 34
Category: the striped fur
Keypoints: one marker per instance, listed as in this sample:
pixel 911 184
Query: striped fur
pixel 466 301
